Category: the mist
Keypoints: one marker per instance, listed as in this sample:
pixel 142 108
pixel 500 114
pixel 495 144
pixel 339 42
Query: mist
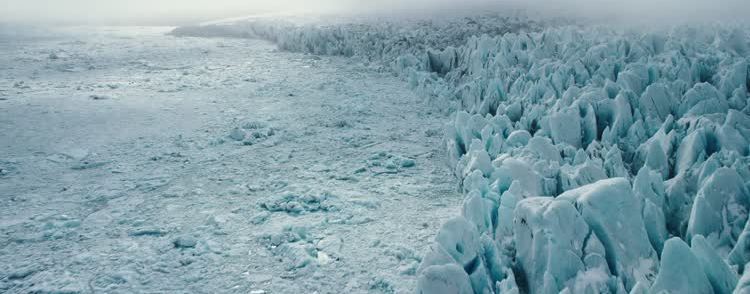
pixel 176 12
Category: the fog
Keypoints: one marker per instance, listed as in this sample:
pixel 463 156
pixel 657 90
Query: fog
pixel 176 12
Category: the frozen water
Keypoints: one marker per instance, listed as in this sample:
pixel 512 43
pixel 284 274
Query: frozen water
pixel 149 192
pixel 580 151
pixel 592 159
pixel 681 271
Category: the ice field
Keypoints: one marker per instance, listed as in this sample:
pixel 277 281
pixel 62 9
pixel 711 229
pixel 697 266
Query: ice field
pixel 136 162
pixel 482 154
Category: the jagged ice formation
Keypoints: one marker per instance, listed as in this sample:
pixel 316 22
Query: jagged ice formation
pixel 593 160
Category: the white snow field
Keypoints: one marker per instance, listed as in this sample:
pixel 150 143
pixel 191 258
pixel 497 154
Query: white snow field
pixel 592 159
pixel 136 162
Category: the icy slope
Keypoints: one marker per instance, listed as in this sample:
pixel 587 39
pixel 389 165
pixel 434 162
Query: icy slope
pixel 592 160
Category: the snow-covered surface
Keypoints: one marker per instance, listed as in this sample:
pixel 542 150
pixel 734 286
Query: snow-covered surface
pixel 135 162
pixel 598 159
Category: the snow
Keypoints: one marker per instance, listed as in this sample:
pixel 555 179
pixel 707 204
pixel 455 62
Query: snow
pixel 591 158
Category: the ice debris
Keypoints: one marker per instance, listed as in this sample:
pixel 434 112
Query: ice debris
pixel 185 242
pixel 251 133
pixel 296 203
pixel 387 163
pixel 298 250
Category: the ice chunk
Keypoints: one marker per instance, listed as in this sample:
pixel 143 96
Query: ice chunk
pixel 694 147
pixel 479 211
pixel 596 280
pixel 733 135
pixel 476 181
pixel 589 128
pixel 508 285
pixel 640 288
pixel 681 271
pixel 459 240
pixel 702 99
pixel 736 77
pixel 565 126
pixel 739 121
pixel 477 159
pixel 722 278
pixel 613 164
pixel 511 169
pixel 649 188
pixel 506 212
pixel 496 261
pixel 444 279
pixel 613 214
pixel 656 101
pixel 635 78
pixel 575 176
pixel 656 159
pixel 514 111
pixel 549 236
pixel 720 208
pixel 743 286
pixel 295 203
pixel 296 255
pixel 518 139
pixel 623 117
pixel 543 148
pixel 185 242
pixel 740 254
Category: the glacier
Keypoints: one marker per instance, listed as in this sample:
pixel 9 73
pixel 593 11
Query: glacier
pixel 593 159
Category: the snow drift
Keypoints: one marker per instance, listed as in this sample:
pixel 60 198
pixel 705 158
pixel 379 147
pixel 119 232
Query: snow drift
pixel 593 160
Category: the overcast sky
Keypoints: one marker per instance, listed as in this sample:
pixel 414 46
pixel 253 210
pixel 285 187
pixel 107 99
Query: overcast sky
pixel 126 11
pixel 167 11
pixel 185 11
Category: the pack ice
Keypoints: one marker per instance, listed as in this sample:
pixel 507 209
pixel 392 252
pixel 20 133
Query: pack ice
pixel 595 160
